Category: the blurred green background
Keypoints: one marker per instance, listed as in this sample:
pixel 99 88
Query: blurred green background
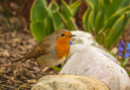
pixel 106 20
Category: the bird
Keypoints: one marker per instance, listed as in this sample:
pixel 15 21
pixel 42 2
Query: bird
pixel 51 50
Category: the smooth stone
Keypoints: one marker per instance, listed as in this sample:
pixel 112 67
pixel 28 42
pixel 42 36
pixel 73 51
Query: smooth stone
pixel 77 47
pixel 69 82
pixel 91 61
pixel 84 38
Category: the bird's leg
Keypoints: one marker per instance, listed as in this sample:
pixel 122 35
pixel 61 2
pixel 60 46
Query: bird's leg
pixel 40 69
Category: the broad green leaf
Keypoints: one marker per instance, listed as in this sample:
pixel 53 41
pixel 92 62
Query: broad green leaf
pixel 57 21
pixel 48 22
pixel 85 20
pixel 110 22
pixel 117 29
pixel 124 3
pixel 70 3
pixel 38 30
pixel 67 14
pixel 104 14
pixel 111 6
pixel 56 16
pixel 38 11
pixel 90 20
pixel 41 21
pixel 95 4
pixel 99 21
pixel 66 10
pixel 75 6
pixel 53 6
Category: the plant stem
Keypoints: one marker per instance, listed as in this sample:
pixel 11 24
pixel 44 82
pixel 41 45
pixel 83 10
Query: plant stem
pixel 74 24
pixel 124 27
pixel 94 33
pixel 104 39
pixel 65 24
pixel 124 35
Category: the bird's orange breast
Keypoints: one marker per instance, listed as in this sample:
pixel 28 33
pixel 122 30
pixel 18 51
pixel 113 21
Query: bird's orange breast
pixel 62 50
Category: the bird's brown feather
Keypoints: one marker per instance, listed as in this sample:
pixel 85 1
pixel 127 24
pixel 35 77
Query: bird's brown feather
pixel 43 46
pixel 40 49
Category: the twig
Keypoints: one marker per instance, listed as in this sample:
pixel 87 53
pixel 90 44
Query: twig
pixel 74 24
pixel 65 24
pixel 7 86
pixel 7 77
pixel 94 32
pixel 25 25
pixel 104 38
pixel 100 31
pixel 45 69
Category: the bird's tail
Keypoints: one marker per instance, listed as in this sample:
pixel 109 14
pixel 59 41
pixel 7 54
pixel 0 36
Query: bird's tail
pixel 19 59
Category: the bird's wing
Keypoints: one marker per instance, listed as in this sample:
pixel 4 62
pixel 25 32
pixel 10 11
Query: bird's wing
pixel 39 50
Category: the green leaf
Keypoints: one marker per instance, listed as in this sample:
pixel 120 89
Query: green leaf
pixel 110 22
pixel 102 15
pixel 41 21
pixel 85 20
pixel 56 16
pixel 111 6
pixel 95 4
pixel 67 14
pixel 117 29
pixel 88 18
pixel 70 3
pixel 38 30
pixel 38 11
pixel 48 23
pixel 53 6
pixel 57 20
pixel 75 6
pixel 128 73
pixel 57 69
pixel 99 21
pixel 91 21
pixel 66 10
pixel 124 3
pixel 125 62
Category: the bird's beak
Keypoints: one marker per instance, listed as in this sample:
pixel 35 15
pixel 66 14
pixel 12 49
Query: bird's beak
pixel 71 35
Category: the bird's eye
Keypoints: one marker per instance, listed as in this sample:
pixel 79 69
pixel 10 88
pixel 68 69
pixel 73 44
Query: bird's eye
pixel 62 35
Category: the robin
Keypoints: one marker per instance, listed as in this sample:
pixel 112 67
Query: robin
pixel 51 50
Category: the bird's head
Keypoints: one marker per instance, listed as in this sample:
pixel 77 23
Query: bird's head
pixel 64 36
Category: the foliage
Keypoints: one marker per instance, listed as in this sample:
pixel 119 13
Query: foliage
pixel 50 18
pixel 106 16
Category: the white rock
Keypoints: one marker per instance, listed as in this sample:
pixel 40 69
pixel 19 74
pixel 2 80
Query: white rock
pixel 69 82
pixel 75 48
pixel 94 62
pixel 84 38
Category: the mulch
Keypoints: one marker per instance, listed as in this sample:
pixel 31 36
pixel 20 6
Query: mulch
pixel 19 75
